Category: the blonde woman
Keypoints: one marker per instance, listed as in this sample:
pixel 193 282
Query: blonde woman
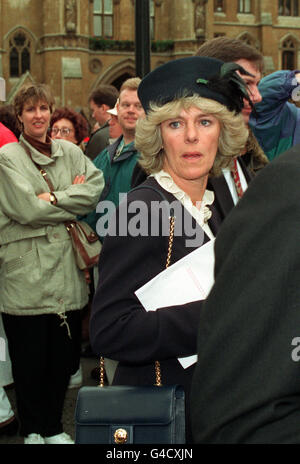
pixel 192 129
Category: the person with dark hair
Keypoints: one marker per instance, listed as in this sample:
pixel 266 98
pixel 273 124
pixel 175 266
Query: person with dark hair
pixel 8 119
pixel 42 289
pixel 67 124
pixel 275 122
pixel 233 50
pixel 70 125
pixel 192 128
pixel 101 100
pixel 245 388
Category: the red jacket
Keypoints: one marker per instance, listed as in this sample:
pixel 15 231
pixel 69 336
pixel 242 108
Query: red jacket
pixel 6 135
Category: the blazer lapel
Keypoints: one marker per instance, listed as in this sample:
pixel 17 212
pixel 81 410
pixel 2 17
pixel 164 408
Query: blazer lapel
pixel 248 175
pixel 223 199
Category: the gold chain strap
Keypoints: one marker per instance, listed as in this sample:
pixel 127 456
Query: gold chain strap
pixel 102 372
pixel 171 237
pixel 157 363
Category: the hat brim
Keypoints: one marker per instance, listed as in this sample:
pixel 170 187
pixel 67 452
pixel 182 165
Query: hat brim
pixel 113 111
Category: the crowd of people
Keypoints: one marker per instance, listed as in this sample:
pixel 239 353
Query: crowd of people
pixel 204 136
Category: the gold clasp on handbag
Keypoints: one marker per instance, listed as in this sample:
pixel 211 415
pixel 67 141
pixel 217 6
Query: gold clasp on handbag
pixel 120 436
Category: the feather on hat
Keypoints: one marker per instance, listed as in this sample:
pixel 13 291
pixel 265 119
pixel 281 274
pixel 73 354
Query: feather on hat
pixel 208 77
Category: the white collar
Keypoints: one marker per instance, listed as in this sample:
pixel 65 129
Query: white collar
pixel 201 212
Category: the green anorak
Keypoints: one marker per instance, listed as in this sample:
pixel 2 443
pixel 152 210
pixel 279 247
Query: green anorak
pixel 38 273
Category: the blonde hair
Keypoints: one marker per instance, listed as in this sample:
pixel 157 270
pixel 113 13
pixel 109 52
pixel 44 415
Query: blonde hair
pixel 148 140
pixel 130 84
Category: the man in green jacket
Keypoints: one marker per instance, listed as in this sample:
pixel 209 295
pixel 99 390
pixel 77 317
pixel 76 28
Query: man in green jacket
pixel 118 160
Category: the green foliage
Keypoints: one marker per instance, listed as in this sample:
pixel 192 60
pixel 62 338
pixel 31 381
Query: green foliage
pixel 161 46
pixel 158 46
pixel 109 44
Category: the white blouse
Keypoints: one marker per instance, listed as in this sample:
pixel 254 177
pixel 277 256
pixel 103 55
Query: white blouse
pixel 200 212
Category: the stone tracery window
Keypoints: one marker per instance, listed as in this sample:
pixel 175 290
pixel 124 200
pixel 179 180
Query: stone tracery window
pixel 103 18
pixel 19 54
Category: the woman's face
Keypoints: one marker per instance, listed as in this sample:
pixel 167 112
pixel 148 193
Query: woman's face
pixel 36 118
pixel 64 129
pixel 190 144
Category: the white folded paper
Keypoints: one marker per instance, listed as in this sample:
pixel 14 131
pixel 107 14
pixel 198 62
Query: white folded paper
pixel 189 279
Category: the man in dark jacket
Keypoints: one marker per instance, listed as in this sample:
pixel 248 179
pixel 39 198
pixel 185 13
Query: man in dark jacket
pixel 246 383
pixel 102 99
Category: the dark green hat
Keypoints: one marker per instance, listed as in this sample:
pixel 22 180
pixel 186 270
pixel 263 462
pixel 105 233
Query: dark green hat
pixel 207 77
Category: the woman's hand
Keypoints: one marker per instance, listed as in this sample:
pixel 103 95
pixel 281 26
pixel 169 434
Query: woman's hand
pixel 44 196
pixel 79 180
pixel 87 276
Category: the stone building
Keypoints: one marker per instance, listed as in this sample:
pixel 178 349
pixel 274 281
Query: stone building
pixel 75 45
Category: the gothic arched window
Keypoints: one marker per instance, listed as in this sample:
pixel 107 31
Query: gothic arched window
pixel 103 18
pixel 19 54
pixel 288 55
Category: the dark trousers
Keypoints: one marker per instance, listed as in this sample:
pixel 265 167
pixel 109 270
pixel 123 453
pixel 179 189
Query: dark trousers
pixel 43 357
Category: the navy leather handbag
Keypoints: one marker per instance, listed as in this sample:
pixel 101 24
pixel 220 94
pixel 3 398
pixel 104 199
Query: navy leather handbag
pixel 130 415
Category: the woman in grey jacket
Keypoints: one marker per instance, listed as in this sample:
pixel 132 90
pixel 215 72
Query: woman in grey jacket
pixel 42 290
